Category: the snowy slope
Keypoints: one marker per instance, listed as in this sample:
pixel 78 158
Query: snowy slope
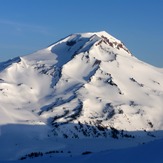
pixel 81 88
pixel 150 153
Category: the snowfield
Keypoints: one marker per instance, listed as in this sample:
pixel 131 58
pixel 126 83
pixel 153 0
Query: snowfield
pixel 83 95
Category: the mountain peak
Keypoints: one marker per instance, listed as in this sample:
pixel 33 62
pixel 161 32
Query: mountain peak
pixel 86 85
pixel 106 34
pixel 65 49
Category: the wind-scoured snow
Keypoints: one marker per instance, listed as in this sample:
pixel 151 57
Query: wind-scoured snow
pixel 87 87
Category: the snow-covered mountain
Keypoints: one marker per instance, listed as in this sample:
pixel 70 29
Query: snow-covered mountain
pixel 84 87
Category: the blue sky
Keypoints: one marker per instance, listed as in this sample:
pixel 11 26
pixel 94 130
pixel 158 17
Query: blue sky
pixel 30 25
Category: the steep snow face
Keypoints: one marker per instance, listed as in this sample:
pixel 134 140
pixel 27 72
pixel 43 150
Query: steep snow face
pixel 83 86
pixel 21 85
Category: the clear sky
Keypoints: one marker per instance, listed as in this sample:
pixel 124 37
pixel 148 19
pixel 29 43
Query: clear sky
pixel 30 25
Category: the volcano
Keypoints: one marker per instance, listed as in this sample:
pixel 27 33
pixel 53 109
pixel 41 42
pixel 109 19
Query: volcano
pixel 86 87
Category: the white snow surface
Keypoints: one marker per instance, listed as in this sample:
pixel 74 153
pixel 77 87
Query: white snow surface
pixel 86 92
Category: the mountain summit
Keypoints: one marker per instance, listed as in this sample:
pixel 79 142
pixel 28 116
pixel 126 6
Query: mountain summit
pixel 87 85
